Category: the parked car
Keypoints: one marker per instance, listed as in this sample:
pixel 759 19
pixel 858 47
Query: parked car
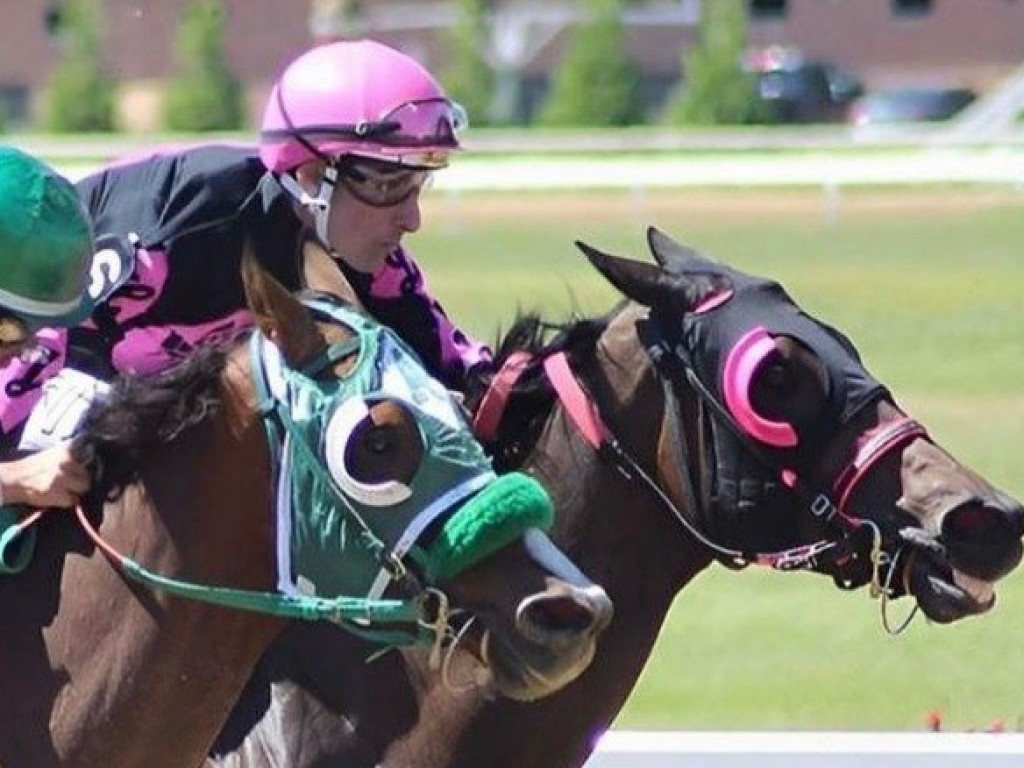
pixel 798 90
pixel 909 105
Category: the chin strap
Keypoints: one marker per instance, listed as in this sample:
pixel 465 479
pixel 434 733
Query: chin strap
pixel 319 205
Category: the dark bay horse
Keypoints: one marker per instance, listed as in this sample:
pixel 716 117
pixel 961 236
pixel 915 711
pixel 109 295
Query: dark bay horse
pixel 720 423
pixel 99 669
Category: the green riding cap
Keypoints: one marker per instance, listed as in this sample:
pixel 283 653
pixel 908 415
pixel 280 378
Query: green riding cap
pixel 46 244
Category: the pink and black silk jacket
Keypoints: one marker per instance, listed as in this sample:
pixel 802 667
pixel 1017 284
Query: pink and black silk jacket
pixel 181 220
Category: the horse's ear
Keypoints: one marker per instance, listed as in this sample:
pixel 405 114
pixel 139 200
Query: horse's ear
pixel 320 273
pixel 279 315
pixel 647 284
pixel 672 255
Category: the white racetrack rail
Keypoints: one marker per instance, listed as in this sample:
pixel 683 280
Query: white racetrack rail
pixel 824 749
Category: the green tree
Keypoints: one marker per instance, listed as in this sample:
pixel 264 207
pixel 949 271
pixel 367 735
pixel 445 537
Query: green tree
pixel 80 97
pixel 468 78
pixel 715 89
pixel 596 84
pixel 204 95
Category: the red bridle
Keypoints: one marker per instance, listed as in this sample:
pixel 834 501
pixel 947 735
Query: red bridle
pixel 871 447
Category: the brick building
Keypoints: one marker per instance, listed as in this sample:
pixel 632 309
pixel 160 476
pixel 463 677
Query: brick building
pixel 954 42
pixel 138 40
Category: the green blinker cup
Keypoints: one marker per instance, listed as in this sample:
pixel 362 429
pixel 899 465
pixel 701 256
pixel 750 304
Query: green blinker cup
pixel 17 543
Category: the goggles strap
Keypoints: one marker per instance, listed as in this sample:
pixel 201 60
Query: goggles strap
pixel 346 168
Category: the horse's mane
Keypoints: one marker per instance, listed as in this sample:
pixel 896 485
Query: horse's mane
pixel 531 333
pixel 531 400
pixel 140 414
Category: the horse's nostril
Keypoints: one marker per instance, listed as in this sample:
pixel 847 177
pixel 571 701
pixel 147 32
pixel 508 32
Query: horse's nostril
pixel 982 541
pixel 569 613
pixel 561 613
pixel 975 521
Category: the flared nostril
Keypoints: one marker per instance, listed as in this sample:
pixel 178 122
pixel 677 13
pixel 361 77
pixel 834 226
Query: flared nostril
pixel 978 522
pixel 983 541
pixel 560 614
pixel 578 612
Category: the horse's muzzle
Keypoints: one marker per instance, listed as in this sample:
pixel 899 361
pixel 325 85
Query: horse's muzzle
pixel 953 574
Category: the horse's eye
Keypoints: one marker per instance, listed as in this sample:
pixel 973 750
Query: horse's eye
pixel 373 450
pixel 379 440
pixel 775 376
pixel 789 385
pixel 773 389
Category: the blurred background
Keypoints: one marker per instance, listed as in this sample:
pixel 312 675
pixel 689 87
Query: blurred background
pixel 867 153
pixel 198 65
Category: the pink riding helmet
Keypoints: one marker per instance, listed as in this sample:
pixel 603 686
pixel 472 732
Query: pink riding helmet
pixel 358 98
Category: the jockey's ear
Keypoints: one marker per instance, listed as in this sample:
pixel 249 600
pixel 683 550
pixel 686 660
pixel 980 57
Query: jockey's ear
pixel 310 174
pixel 278 314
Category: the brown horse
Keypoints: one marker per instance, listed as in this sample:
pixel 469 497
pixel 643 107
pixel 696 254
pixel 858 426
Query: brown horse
pixel 99 669
pixel 729 426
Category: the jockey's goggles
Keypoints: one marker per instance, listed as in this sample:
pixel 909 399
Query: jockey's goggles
pixel 424 123
pixel 379 184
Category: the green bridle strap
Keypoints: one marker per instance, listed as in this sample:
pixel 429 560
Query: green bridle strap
pixel 339 610
pixel 356 615
pixel 331 355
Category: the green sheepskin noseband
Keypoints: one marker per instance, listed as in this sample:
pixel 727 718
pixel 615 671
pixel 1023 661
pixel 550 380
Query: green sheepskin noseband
pixel 494 518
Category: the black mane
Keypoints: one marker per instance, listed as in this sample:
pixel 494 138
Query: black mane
pixel 531 333
pixel 141 414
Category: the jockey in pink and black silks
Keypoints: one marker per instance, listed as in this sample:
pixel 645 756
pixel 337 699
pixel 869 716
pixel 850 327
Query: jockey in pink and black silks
pixel 351 133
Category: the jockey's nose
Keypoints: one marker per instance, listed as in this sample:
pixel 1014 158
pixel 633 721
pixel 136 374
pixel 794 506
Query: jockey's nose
pixel 408 213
